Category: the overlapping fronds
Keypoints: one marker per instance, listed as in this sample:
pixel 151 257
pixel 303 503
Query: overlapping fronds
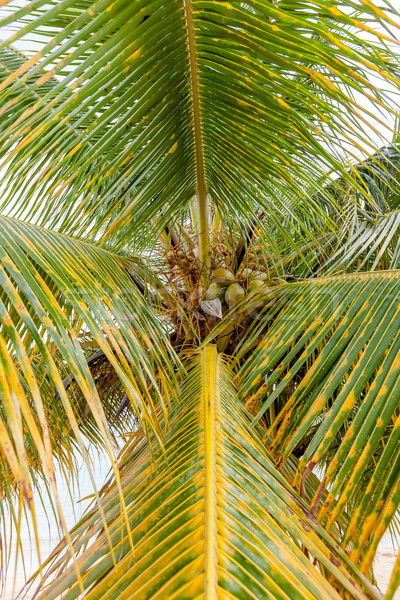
pixel 374 245
pixel 126 125
pixel 325 382
pixel 380 176
pixel 277 82
pixel 212 518
pixel 99 119
pixel 56 293
pixel 365 211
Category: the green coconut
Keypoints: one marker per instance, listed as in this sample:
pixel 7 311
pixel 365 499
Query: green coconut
pixel 261 275
pixel 215 291
pixel 255 284
pixel 247 272
pixel 234 294
pixel 223 276
pixel 225 336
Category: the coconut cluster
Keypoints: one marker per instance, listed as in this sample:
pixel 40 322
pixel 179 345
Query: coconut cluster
pixel 225 287
pixel 185 260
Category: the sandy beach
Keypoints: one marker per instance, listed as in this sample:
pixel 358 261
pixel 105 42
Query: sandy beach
pixel 383 568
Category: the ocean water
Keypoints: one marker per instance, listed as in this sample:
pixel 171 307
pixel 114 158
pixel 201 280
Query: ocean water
pixel 74 501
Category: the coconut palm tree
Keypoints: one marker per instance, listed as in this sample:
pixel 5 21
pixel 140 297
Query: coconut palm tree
pixel 199 241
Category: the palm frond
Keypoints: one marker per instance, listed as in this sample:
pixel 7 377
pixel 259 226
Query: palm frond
pixel 103 58
pixel 277 86
pixel 55 293
pixel 374 245
pixel 194 515
pixel 328 366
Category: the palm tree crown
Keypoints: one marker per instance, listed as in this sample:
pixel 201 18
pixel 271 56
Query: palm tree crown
pixel 199 247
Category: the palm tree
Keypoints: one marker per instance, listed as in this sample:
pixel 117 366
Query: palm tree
pixel 199 249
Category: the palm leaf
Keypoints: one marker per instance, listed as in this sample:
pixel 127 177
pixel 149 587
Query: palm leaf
pixel 374 245
pixel 53 290
pixel 328 365
pixel 129 142
pixel 195 516
pixel 269 80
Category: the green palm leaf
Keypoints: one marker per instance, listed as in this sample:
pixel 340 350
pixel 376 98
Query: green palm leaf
pixel 194 515
pixel 263 71
pixel 374 245
pixel 328 366
pixel 54 290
